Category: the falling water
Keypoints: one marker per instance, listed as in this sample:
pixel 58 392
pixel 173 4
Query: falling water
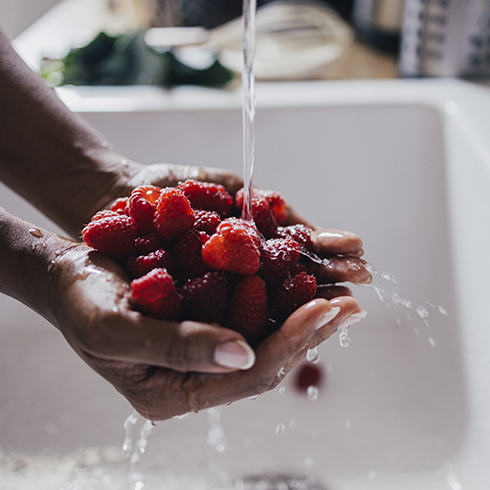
pixel 248 110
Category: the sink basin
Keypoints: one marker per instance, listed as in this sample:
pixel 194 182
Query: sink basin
pixel 405 164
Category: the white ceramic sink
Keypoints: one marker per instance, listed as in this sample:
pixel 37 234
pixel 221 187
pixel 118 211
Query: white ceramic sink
pixel 406 165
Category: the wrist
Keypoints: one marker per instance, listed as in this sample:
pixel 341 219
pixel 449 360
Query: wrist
pixel 28 255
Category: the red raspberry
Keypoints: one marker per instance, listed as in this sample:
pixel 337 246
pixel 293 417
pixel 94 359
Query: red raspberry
pixel 120 205
pixel 141 207
pixel 268 209
pixel 207 221
pixel 141 265
pixel 278 256
pixel 173 215
pixel 147 243
pixel 105 213
pixel 205 298
pixel 291 294
pixel 111 233
pixel 187 255
pixel 300 233
pixel 208 196
pixel 247 312
pixel 155 295
pixel 308 375
pixel 234 247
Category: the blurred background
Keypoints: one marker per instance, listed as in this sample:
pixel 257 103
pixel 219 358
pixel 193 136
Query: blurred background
pixel 296 39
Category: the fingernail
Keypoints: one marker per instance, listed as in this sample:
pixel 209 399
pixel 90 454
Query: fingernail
pixel 234 354
pixel 328 317
pixel 330 234
pixel 354 318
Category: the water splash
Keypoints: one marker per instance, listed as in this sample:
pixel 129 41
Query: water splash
pixel 134 452
pixel 216 433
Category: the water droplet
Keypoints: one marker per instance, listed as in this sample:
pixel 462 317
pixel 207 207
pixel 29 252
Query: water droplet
pixel 181 417
pixel 344 338
pixel 312 392
pixel 44 245
pixel 36 232
pixel 380 292
pixel 280 430
pixel 115 309
pixel 312 355
pixel 253 397
pixel 282 390
pixel 432 342
pixel 442 310
pixel 422 312
pixel 33 247
pixel 389 277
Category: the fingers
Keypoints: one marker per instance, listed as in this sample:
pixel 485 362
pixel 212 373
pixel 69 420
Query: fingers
pixel 336 242
pixel 341 269
pixel 183 347
pixel 159 393
pixel 331 292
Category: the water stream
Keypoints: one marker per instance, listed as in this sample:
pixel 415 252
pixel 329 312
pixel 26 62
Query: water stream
pixel 248 109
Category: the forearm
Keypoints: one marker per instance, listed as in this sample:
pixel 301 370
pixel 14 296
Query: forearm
pixel 27 258
pixel 49 155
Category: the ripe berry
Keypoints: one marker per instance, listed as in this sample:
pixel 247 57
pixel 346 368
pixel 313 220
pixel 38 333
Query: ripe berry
pixel 111 233
pixel 300 233
pixel 187 257
pixel 147 243
pixel 234 247
pixel 208 196
pixel 205 298
pixel 268 209
pixel 120 205
pixel 278 256
pixel 141 207
pixel 248 313
pixel 207 221
pixel 155 295
pixel 173 215
pixel 291 294
pixel 307 375
pixel 141 265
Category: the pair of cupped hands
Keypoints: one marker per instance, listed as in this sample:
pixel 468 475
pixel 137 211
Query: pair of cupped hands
pixel 165 368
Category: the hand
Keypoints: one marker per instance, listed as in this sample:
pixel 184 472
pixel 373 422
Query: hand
pixel 166 368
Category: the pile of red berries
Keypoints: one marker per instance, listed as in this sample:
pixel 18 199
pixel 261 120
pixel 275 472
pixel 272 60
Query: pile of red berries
pixel 190 257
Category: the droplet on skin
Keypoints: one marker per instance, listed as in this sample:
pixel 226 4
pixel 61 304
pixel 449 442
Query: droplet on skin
pixel 36 232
